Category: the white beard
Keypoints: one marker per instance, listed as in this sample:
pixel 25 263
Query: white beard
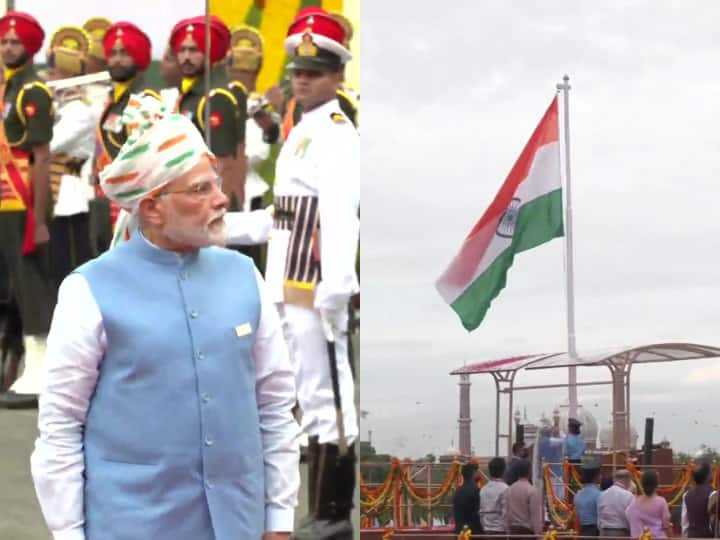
pixel 196 237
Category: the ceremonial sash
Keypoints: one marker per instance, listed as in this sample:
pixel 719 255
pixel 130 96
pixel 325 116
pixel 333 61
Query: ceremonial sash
pixel 288 121
pixel 16 182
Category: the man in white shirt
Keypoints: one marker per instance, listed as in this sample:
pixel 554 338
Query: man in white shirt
pixel 493 505
pixel 166 406
pixel 612 503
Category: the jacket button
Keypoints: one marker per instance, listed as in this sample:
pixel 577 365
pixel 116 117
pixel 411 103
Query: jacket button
pixel 208 441
pixel 194 314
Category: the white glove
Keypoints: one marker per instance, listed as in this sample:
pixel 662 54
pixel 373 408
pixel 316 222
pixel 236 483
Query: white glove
pixel 332 307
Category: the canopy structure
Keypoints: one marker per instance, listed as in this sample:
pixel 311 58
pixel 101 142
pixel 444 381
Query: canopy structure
pixel 618 360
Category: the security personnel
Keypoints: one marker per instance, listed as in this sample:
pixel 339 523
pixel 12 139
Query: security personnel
pixel 96 27
pixel 188 42
pixel 170 72
pixel 347 98
pixel 25 134
pixel 71 147
pixel 243 65
pixel 311 264
pixel 127 52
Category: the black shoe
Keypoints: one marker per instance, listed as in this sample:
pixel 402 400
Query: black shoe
pixel 333 485
pixel 13 400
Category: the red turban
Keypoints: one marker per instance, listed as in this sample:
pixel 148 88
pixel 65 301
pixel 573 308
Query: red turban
pixel 26 27
pixel 195 28
pixel 133 39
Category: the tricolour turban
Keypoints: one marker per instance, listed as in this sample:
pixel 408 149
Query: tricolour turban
pixel 159 148
pixel 195 28
pixel 27 29
pixel 134 40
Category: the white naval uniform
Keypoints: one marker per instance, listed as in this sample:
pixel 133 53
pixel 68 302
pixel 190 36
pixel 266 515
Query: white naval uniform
pixel 321 158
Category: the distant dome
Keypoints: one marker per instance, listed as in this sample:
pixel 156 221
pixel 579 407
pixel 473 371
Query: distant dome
pixel 589 428
pixel 606 436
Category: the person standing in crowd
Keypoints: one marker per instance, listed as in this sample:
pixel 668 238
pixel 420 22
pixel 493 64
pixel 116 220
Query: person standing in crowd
pixel 524 515
pixel 170 72
pixel 311 266
pixel 574 442
pixel 128 53
pixel 25 135
pixel 612 505
pixel 695 515
pixel 166 410
pixel 649 510
pixel 466 502
pixel 550 452
pixel 493 505
pixel 244 62
pixel 586 500
pixel 72 145
pixel 188 42
pixel 97 27
pixel 519 455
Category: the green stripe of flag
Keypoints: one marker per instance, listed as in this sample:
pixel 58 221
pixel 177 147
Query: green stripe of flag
pixel 538 221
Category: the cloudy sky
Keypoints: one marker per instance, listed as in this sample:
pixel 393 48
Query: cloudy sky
pixel 155 17
pixel 450 96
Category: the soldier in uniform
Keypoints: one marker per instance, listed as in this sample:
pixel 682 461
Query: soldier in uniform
pixel 243 64
pixel 72 146
pixel 170 71
pixel 96 27
pixel 188 43
pixel 97 93
pixel 127 50
pixel 25 134
pixel 311 264
pixel 347 98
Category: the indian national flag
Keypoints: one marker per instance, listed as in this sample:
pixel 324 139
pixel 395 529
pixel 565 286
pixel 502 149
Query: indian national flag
pixel 526 212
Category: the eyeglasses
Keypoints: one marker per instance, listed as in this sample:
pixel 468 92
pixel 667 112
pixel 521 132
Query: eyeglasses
pixel 198 190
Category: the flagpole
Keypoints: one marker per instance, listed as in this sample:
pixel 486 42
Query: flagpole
pixel 569 275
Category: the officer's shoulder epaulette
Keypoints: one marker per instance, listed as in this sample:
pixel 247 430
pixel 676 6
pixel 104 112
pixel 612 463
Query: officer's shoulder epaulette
pixel 222 92
pixel 153 93
pixel 31 108
pixel 338 118
pixel 347 97
pixel 36 84
pixel 237 85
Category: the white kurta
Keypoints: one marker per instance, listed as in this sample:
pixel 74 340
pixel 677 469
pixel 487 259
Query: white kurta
pixel 321 158
pixel 75 348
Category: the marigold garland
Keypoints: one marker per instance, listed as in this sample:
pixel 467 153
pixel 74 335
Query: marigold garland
pixel 398 481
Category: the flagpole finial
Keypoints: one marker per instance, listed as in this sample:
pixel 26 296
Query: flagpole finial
pixel 565 85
